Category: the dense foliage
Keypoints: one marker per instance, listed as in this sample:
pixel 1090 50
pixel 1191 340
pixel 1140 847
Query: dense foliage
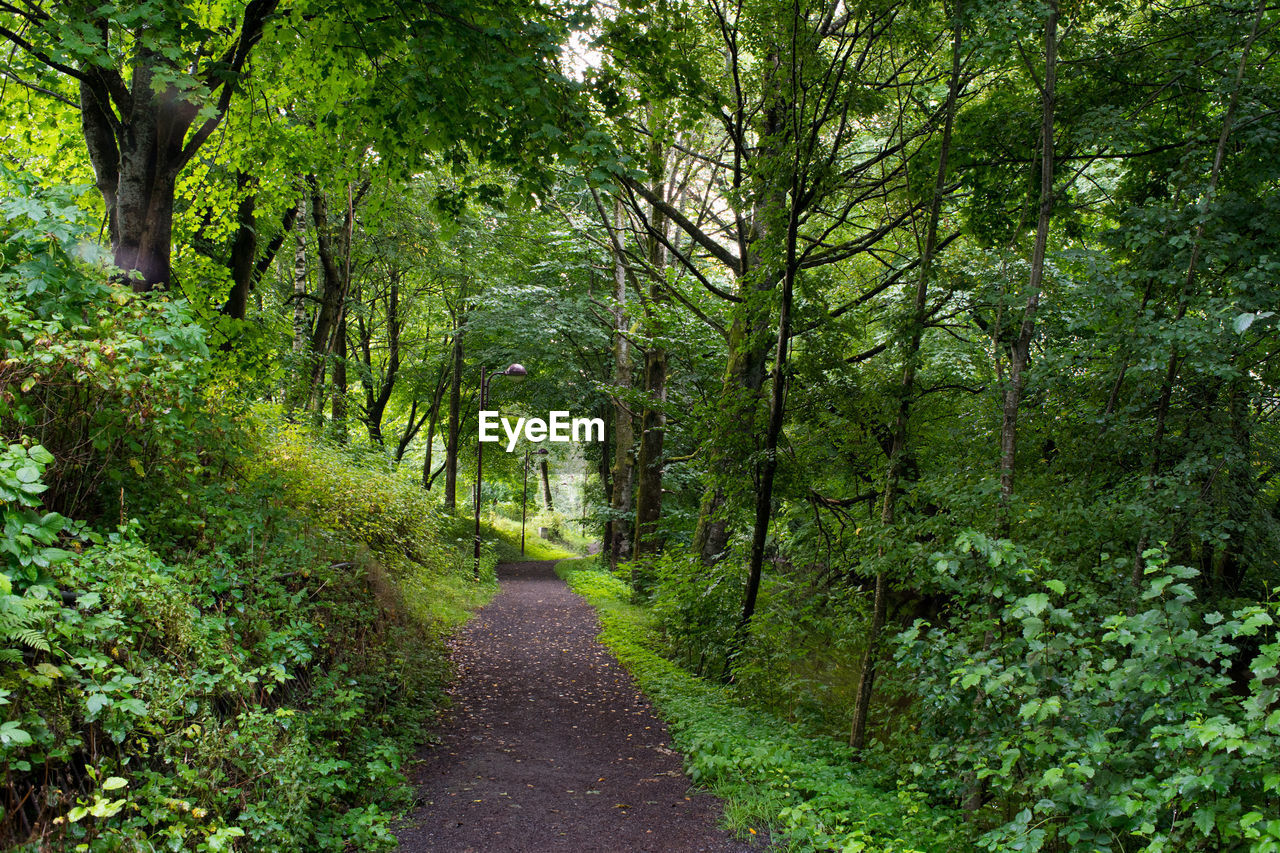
pixel 255 650
pixel 936 345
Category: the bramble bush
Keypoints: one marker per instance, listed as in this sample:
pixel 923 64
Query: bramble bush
pixel 271 694
pixel 105 380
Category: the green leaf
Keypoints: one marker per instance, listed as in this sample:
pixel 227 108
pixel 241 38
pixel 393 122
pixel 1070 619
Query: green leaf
pixel 12 734
pixel 1036 603
pixel 96 702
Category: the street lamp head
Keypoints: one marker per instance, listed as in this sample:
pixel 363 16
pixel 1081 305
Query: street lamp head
pixel 515 371
pixel 542 451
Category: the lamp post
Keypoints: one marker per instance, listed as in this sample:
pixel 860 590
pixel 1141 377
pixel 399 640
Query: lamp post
pixel 515 371
pixel 524 502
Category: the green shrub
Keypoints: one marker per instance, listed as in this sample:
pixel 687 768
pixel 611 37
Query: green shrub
pixel 271 694
pixel 696 608
pixel 107 381
pixel 1155 729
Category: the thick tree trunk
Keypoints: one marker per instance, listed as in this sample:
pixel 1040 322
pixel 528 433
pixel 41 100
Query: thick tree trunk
pixel 150 159
pixel 144 214
pixel 141 134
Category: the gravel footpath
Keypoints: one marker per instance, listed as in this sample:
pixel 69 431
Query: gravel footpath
pixel 551 746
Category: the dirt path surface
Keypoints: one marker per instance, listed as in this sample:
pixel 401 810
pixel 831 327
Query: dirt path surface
pixel 551 746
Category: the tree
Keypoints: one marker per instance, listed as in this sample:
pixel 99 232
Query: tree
pixel 152 88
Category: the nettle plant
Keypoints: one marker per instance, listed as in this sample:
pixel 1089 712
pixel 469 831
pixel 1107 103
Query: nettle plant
pixel 1154 726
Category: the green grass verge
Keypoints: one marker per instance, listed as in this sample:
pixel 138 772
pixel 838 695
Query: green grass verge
pixel 805 791
pixel 505 535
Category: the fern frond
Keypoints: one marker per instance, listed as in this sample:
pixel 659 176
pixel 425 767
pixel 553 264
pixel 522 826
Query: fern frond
pixel 33 639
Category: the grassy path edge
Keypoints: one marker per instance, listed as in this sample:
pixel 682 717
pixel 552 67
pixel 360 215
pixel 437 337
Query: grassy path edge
pixel 803 792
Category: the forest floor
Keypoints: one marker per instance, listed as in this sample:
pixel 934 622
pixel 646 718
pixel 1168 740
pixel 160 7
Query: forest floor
pixel 550 745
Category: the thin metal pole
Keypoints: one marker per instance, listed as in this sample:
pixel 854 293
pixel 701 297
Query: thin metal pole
pixel 484 387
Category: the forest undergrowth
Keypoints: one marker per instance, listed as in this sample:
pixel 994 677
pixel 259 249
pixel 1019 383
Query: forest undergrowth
pixel 216 631
pixel 780 780
pixel 1076 729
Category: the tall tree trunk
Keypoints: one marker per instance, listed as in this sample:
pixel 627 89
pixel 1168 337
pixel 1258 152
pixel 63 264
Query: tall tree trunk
pixel 301 317
pixel 145 177
pixel 455 404
pixel 604 469
pixel 653 425
pixel 335 265
pixel 333 296
pixel 623 431
pixel 432 417
pixel 546 486
pixel 1022 344
pixel 142 133
pixel 899 451
pixel 339 411
pixel 376 404
pixel 244 251
pixel 245 279
pixel 769 465
pixel 653 418
pixel 741 392
pixel 779 203
pixel 740 397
